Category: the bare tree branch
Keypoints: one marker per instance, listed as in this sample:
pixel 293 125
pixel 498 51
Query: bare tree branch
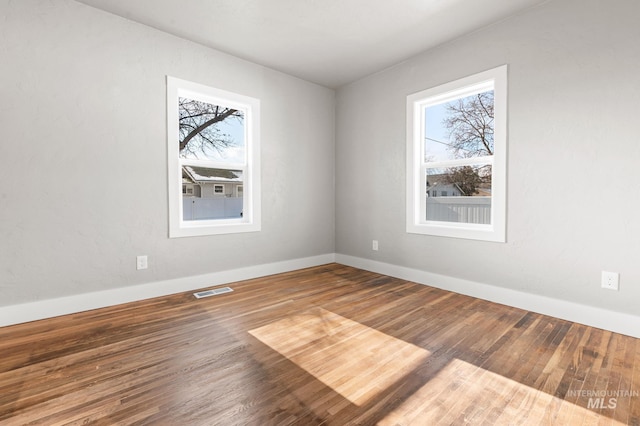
pixel 203 126
pixel 198 128
pixel 470 125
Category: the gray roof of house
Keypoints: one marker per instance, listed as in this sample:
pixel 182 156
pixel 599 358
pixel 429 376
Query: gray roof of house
pixel 206 174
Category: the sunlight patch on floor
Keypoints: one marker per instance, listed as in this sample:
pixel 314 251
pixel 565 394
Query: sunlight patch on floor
pixel 354 360
pixel 445 399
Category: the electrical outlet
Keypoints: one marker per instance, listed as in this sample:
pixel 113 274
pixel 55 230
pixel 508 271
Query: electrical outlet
pixel 374 246
pixel 141 262
pixel 610 280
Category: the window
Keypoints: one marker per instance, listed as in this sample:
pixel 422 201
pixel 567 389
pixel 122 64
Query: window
pixel 456 139
pixel 213 141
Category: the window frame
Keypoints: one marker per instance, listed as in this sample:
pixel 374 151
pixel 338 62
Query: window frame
pixel 416 221
pixel 250 220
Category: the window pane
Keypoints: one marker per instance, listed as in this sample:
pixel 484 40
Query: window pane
pixel 459 194
pixel 215 193
pixel 461 128
pixel 211 132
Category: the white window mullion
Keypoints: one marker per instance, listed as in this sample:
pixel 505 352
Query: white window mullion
pixel 488 159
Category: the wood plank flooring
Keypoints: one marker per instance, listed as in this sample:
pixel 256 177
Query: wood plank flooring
pixel 330 345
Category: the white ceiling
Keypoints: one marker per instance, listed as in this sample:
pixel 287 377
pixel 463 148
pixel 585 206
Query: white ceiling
pixel 330 42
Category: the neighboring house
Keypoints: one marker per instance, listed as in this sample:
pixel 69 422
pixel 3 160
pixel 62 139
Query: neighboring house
pixel 203 182
pixel 438 189
pixel 439 186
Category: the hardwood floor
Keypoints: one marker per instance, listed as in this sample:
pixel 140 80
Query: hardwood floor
pixel 330 345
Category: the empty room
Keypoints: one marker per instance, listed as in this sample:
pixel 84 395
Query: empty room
pixel 293 212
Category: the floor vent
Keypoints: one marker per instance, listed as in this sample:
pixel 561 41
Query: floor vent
pixel 212 292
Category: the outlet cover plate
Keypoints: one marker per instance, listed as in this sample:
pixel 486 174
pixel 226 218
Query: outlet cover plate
pixel 141 262
pixel 610 280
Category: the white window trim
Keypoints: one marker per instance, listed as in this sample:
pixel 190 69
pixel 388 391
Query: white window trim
pixel 251 219
pixel 416 182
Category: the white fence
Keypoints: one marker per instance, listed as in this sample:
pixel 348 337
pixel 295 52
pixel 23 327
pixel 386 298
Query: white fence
pixel 459 209
pixel 211 208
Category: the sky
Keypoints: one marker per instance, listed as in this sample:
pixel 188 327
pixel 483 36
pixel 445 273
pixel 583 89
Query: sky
pixel 235 129
pixel 434 129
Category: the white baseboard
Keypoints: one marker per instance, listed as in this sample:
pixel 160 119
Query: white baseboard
pixel 41 309
pixel 589 315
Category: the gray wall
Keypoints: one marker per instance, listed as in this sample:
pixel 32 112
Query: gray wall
pixel 82 114
pixel 83 180
pixel 574 155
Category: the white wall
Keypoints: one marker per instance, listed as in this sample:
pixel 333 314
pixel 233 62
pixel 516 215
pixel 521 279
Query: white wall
pixel 574 153
pixel 83 117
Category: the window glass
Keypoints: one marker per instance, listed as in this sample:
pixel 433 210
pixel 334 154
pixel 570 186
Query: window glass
pixel 213 142
pixel 469 190
pixel 461 128
pixel 456 158
pixel 211 132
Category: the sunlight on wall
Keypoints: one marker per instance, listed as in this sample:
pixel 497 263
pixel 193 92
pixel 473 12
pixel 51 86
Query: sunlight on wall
pixel 354 360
